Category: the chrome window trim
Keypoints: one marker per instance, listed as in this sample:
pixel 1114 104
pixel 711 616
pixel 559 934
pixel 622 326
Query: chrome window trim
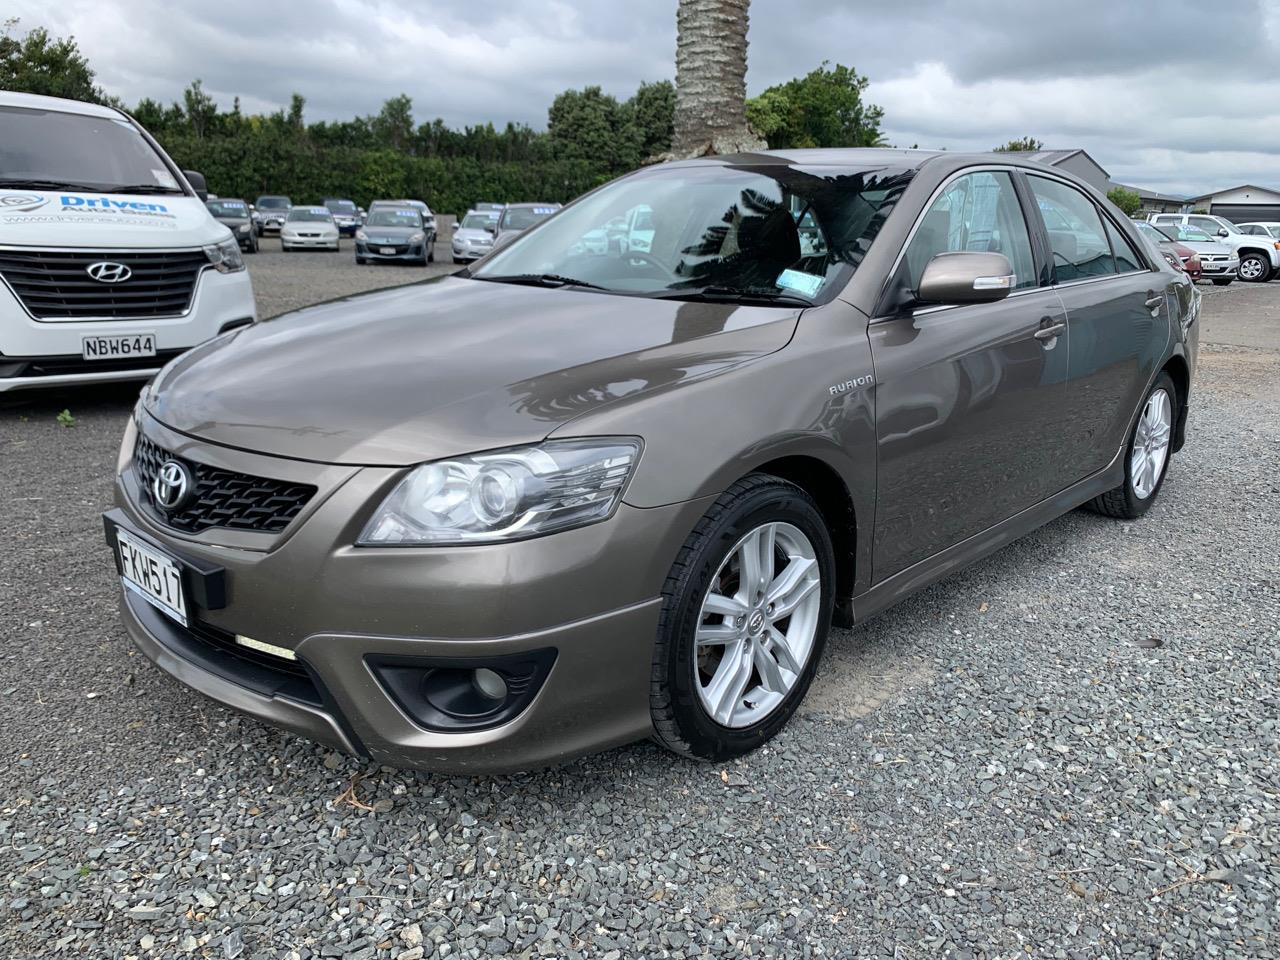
pixel 195 287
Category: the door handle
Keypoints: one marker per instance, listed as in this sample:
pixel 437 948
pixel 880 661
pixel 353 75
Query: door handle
pixel 1153 302
pixel 1048 333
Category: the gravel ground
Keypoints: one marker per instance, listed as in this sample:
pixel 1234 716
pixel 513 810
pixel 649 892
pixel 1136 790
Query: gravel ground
pixel 286 281
pixel 1068 750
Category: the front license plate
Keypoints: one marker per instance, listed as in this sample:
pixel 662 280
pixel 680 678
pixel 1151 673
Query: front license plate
pixel 152 576
pixel 118 348
pixel 387 251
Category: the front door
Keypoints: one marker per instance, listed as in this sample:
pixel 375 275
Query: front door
pixel 969 399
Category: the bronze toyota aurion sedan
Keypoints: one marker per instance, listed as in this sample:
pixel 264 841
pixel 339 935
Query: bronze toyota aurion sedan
pixel 580 494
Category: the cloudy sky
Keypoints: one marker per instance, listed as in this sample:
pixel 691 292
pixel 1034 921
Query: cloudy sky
pixel 1164 95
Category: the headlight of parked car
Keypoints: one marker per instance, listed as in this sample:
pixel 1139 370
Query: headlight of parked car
pixel 417 238
pixel 225 256
pixel 243 228
pixel 506 495
pixel 360 235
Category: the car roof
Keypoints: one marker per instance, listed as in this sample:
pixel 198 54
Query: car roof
pixel 32 101
pixel 532 203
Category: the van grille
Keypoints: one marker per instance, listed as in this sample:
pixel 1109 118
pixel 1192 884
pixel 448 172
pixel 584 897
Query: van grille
pixel 223 498
pixel 55 284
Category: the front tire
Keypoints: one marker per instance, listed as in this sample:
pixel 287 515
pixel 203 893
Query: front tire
pixel 745 616
pixel 1146 460
pixel 1254 268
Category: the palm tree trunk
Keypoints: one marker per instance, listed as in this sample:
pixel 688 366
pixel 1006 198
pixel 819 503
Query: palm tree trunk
pixel 711 79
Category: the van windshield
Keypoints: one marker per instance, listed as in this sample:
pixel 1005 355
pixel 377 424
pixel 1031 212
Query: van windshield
pixel 51 150
pixel 777 232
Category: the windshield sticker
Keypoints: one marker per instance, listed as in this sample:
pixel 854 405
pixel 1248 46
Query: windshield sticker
pixel 164 179
pixel 406 213
pixel 544 211
pixel 807 283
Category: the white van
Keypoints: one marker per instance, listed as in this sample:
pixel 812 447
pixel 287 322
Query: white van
pixel 110 264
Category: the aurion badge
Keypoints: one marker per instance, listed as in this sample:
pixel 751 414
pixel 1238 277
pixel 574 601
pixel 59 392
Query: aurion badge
pixel 172 485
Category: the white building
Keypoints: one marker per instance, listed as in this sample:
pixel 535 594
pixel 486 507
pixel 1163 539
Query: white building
pixel 1241 204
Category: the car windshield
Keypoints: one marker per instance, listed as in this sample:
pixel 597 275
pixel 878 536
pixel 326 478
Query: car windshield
pixel 228 208
pixel 775 231
pixel 310 215
pixel 341 207
pixel 1192 234
pixel 273 203
pixel 392 217
pixel 522 218
pixel 478 221
pixel 51 150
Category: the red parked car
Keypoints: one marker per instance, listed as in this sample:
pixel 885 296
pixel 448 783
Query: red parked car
pixel 1186 258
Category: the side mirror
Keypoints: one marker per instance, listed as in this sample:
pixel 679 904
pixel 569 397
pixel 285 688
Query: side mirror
pixel 455 225
pixel 197 183
pixel 492 228
pixel 1224 232
pixel 963 277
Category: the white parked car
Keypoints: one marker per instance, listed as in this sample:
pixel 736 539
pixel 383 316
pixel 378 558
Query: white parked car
pixel 1218 261
pixel 1259 256
pixel 1266 228
pixel 110 263
pixel 309 228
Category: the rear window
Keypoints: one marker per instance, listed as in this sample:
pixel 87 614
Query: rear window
pixel 341 207
pixel 47 149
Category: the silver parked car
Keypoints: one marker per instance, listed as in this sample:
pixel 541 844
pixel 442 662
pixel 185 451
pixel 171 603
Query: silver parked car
pixel 1219 262
pixel 473 235
pixel 566 499
pixel 309 228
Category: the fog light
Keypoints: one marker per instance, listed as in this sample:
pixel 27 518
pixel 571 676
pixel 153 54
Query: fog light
pixel 489 684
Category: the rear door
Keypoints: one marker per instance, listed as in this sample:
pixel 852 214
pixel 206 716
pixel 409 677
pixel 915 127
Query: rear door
pixel 1117 319
pixel 970 398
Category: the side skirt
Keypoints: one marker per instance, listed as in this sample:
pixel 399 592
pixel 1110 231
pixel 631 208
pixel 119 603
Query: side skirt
pixel 920 575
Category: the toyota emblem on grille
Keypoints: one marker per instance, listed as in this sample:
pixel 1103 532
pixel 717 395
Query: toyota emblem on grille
pixel 107 271
pixel 172 485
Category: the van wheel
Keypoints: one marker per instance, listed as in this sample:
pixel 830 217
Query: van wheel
pixel 1146 458
pixel 745 615
pixel 1255 268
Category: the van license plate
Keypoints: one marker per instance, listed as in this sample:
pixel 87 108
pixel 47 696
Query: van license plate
pixel 152 576
pixel 118 348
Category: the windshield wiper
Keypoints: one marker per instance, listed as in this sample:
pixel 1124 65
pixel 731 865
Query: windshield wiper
pixel 20 183
pixel 541 280
pixel 722 294
pixel 142 188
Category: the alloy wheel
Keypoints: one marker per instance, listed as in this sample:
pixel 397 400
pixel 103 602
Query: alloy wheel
pixel 1151 444
pixel 1251 268
pixel 757 625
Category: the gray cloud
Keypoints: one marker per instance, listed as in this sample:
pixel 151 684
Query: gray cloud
pixel 1176 96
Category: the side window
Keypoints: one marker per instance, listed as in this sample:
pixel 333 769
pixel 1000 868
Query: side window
pixel 1079 242
pixel 976 212
pixel 1126 259
pixel 1207 224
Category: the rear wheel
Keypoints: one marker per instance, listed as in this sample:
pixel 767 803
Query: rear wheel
pixel 1146 457
pixel 1254 268
pixel 746 611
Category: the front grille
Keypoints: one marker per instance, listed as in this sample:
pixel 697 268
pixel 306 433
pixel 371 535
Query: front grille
pixel 223 498
pixel 54 284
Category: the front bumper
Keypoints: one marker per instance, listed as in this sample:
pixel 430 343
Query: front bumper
pixel 47 353
pixel 468 252
pixel 406 253
pixel 591 595
pixel 316 243
pixel 1218 268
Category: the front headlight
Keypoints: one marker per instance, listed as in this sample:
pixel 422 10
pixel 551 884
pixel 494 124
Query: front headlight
pixel 417 238
pixel 243 228
pixel 506 495
pixel 360 235
pixel 225 256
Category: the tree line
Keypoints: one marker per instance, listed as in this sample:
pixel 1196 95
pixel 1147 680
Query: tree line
pixel 591 136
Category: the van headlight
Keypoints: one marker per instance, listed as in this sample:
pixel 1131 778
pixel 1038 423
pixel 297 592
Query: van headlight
pixel 506 495
pixel 225 256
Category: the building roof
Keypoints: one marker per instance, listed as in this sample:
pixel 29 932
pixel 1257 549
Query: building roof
pixel 1146 194
pixel 1243 186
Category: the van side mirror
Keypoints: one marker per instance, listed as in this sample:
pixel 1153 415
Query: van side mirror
pixel 197 183
pixel 963 277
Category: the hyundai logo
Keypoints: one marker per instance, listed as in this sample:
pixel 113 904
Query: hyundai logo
pixel 106 271
pixel 172 485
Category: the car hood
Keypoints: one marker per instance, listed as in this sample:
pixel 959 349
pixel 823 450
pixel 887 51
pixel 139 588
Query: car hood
pixel 97 220
pixel 1213 246
pixel 390 234
pixel 437 369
